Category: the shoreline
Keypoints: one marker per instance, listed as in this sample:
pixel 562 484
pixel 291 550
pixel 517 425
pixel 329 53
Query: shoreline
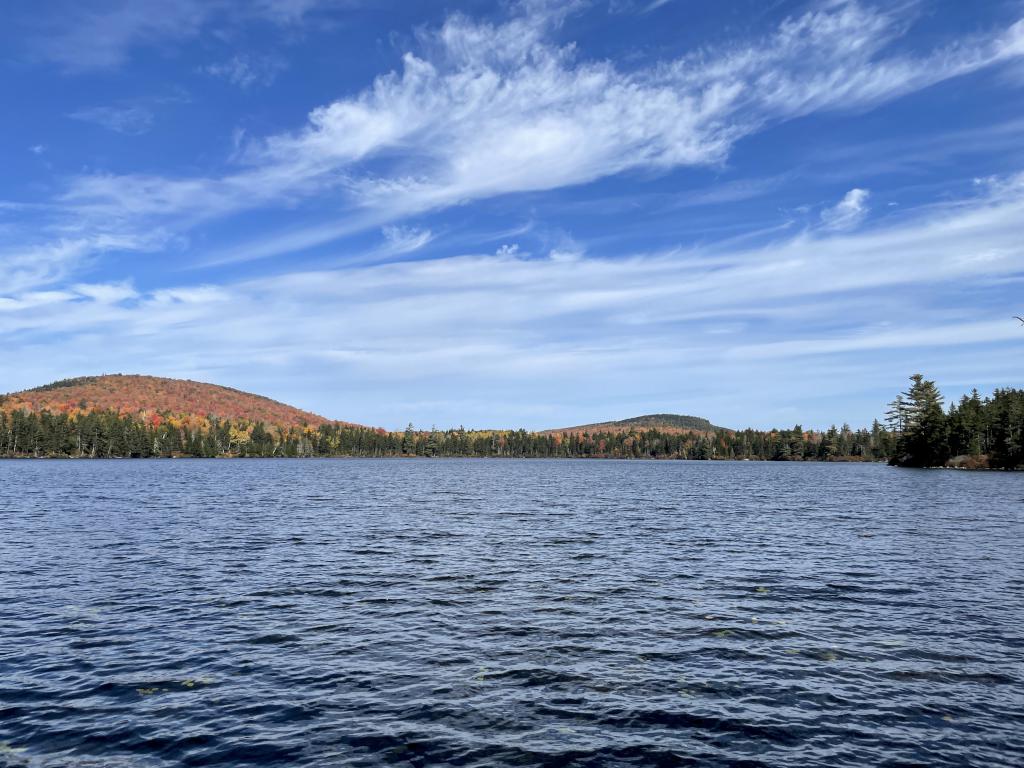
pixel 851 460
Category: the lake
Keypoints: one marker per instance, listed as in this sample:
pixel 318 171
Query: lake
pixel 504 612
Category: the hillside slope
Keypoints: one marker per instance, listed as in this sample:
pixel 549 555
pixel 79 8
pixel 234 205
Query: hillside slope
pixel 143 395
pixel 664 422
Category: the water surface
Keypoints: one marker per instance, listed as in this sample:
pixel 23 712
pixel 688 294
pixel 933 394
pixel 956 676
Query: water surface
pixel 491 613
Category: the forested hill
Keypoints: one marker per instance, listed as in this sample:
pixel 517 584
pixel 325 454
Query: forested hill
pixel 663 422
pixel 145 416
pixel 155 397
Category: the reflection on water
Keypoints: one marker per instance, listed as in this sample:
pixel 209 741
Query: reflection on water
pixel 483 613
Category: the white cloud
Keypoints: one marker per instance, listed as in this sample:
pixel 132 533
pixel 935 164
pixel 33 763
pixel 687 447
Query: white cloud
pixel 130 120
pixel 655 5
pixel 293 11
pixel 1002 186
pixel 512 324
pixel 201 294
pixel 245 71
pixel 486 110
pixel 481 110
pixel 848 212
pixel 32 300
pixel 29 267
pixel 105 34
pixel 25 268
pixel 405 239
pixel 501 109
pixel 106 293
pixel 873 338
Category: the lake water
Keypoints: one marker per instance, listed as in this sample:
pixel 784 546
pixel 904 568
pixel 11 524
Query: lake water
pixel 491 613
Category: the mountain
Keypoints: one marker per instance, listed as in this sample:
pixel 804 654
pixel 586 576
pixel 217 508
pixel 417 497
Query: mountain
pixel 663 422
pixel 152 395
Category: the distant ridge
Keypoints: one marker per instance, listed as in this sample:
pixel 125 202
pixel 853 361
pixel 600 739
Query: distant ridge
pixel 150 395
pixel 665 422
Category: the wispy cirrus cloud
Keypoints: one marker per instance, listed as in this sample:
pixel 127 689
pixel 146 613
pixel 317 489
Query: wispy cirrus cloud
pixel 867 339
pixel 848 212
pixel 246 70
pixel 406 239
pixel 129 120
pixel 96 35
pixel 491 109
pixel 498 109
pixel 714 317
pixel 31 266
pixel 654 5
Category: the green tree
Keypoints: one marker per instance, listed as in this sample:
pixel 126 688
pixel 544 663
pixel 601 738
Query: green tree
pixel 925 438
pixel 896 416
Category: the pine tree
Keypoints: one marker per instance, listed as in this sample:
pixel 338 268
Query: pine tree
pixel 896 416
pixel 925 438
pixel 409 440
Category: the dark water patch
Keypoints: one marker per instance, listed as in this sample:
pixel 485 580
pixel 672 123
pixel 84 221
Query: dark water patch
pixel 273 638
pixel 953 676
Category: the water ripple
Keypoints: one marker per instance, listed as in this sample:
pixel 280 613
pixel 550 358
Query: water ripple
pixel 521 613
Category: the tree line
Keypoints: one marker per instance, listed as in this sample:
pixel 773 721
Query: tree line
pixel 108 434
pixel 976 432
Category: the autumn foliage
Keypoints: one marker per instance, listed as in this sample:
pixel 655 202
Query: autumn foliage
pixel 666 423
pixel 154 400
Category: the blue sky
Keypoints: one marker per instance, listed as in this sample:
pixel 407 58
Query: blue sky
pixel 520 213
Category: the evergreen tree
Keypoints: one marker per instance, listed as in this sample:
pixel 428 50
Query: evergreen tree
pixel 924 441
pixel 896 416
